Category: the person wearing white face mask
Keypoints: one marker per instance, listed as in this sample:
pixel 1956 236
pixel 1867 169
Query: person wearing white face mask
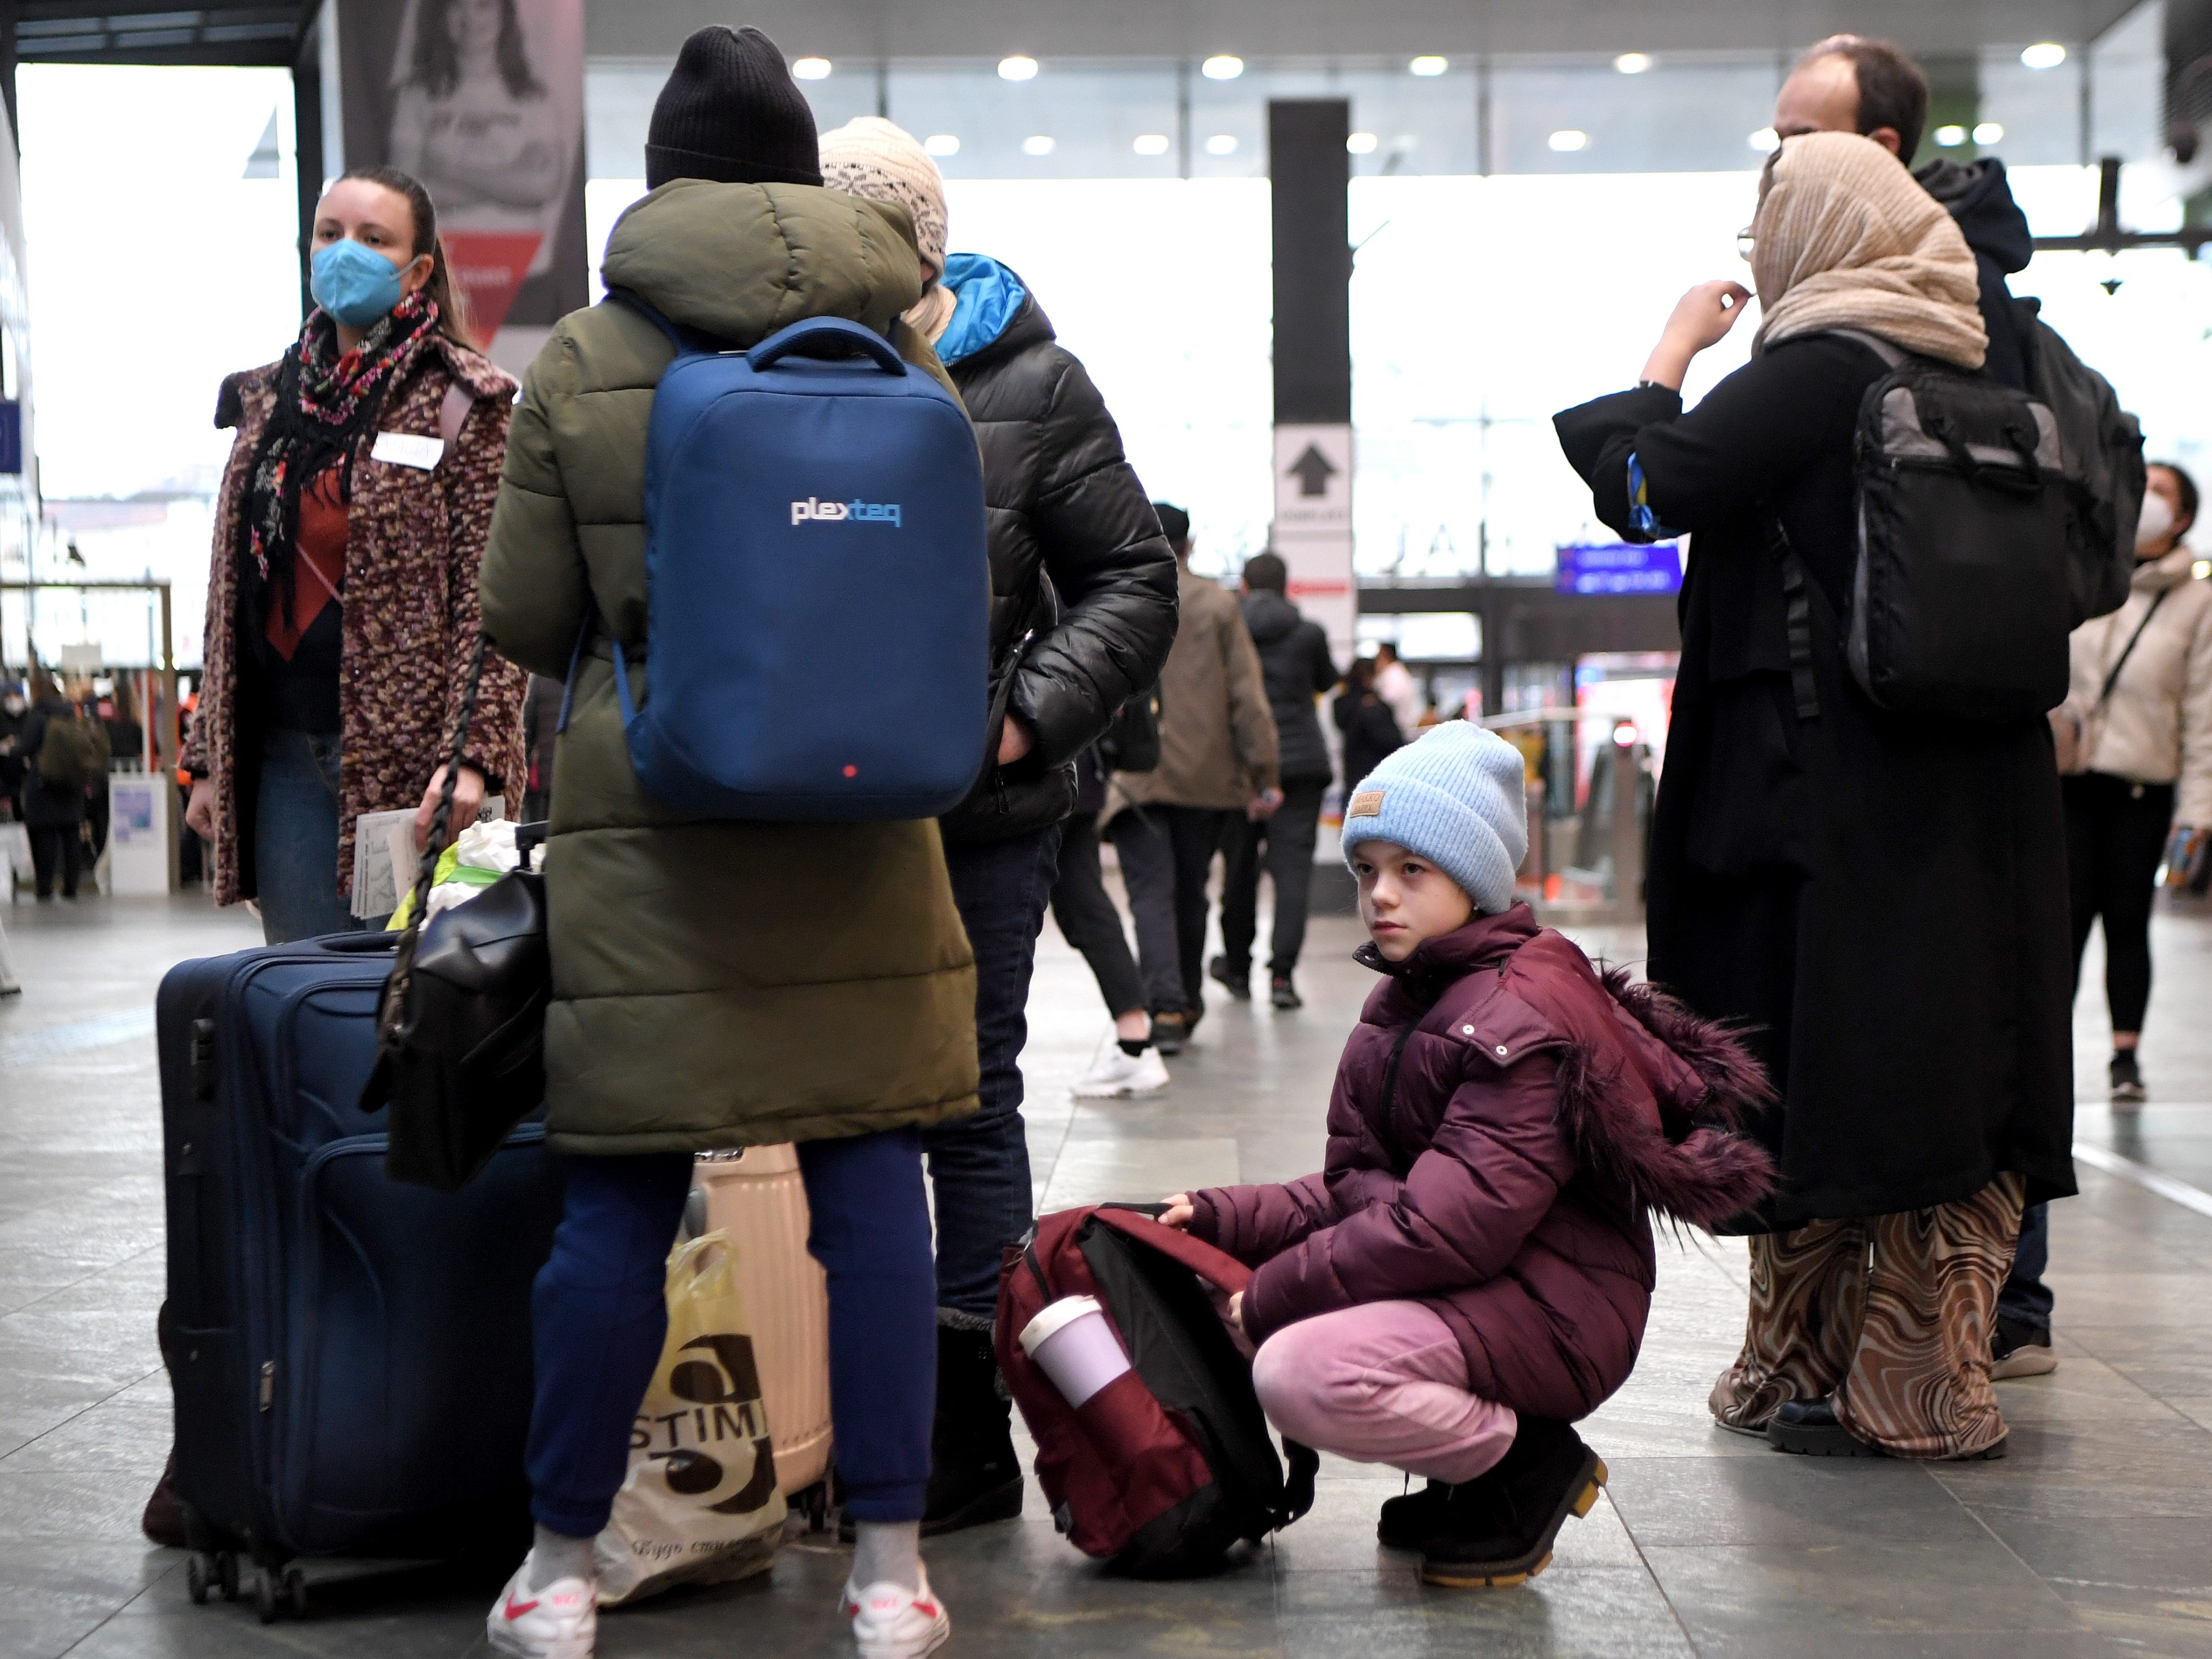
pixel 341 601
pixel 2140 718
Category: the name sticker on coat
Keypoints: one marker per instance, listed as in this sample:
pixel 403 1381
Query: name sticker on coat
pixel 1367 803
pixel 406 449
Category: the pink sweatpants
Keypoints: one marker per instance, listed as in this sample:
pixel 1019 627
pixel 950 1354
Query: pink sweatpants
pixel 1384 1382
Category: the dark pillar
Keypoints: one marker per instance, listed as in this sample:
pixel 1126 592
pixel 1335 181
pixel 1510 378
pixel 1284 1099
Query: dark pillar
pixel 8 12
pixel 307 141
pixel 1310 174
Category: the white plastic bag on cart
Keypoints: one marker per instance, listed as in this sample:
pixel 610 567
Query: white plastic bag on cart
pixel 699 1504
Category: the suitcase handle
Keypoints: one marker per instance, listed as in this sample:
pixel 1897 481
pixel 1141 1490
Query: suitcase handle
pixel 361 944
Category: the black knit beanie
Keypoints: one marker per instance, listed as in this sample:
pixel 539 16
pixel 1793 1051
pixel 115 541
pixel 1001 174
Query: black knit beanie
pixel 732 112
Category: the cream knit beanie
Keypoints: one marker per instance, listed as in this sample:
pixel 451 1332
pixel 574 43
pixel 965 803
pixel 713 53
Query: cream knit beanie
pixel 881 161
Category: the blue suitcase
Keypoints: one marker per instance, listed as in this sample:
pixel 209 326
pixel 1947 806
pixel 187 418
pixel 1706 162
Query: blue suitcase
pixel 350 1355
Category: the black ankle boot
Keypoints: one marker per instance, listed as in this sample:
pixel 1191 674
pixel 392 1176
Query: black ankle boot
pixel 974 1474
pixel 1497 1530
pixel 1408 1522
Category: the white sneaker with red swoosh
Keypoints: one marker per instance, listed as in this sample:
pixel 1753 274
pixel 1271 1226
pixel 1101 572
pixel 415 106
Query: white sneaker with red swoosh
pixel 892 1622
pixel 560 1621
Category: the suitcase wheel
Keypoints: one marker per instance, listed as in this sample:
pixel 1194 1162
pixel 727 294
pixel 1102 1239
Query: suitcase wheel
pixel 196 1580
pixel 295 1591
pixel 265 1594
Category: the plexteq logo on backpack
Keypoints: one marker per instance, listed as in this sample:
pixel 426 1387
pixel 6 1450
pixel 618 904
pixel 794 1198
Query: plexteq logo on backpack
pixel 839 511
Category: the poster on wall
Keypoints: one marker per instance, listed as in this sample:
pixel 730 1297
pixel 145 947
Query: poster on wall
pixel 484 102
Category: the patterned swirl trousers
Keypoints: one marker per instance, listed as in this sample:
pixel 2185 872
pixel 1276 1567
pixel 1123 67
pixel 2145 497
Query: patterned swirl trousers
pixel 1890 1315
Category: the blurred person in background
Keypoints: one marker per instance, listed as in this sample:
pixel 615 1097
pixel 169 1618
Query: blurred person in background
pixel 59 765
pixel 1296 664
pixel 1778 895
pixel 1395 683
pixel 1131 1067
pixel 126 737
pixel 1083 609
pixel 1217 766
pixel 1369 730
pixel 14 709
pixel 342 599
pixel 92 710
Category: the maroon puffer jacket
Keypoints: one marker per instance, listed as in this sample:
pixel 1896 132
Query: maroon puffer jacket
pixel 1502 1120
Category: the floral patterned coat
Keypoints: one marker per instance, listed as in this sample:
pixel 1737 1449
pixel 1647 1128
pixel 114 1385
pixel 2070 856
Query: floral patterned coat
pixel 413 540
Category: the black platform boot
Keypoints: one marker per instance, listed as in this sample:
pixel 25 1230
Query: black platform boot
pixel 974 1475
pixel 1497 1530
pixel 1409 1521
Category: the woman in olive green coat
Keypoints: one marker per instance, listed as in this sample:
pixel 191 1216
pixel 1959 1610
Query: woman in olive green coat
pixel 718 984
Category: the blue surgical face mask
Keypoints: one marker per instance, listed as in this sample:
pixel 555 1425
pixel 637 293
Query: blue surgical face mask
pixel 354 283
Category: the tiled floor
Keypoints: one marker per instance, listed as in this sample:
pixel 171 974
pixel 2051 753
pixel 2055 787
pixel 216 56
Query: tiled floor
pixel 2094 1536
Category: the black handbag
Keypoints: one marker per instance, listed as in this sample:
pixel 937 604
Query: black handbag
pixel 461 1026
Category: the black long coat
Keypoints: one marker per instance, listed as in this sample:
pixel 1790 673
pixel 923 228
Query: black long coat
pixel 1883 899
pixel 1078 568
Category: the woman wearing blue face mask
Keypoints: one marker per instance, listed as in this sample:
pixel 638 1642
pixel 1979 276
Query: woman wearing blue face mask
pixel 342 605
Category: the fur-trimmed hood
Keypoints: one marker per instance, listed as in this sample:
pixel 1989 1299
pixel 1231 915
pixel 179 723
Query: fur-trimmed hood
pixel 1652 1097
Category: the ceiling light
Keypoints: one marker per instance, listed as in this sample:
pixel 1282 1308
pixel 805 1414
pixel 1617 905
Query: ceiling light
pixel 1765 141
pixel 1989 133
pixel 1039 145
pixel 1632 62
pixel 1567 140
pixel 2042 55
pixel 1951 136
pixel 1429 63
pixel 1222 67
pixel 1222 143
pixel 1017 68
pixel 1150 143
pixel 1361 144
pixel 810 69
pixel 942 143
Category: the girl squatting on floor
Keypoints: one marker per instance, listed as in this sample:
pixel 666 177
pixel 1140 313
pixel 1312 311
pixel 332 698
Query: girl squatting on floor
pixel 1471 1271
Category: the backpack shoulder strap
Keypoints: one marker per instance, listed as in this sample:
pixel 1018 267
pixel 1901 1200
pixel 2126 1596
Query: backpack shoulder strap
pixel 1797 603
pixel 453 412
pixel 1891 353
pixel 636 303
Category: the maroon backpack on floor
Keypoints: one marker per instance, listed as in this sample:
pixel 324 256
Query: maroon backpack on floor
pixel 1169 1466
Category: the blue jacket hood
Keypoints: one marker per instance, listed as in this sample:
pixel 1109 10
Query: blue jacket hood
pixel 987 297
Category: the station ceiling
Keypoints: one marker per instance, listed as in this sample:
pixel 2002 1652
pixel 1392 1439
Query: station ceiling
pixel 1337 28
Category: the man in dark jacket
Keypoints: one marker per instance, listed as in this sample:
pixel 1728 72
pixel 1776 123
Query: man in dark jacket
pixel 1850 84
pixel 1082 612
pixel 1294 661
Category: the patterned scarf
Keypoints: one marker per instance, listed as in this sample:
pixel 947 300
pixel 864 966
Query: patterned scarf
pixel 327 401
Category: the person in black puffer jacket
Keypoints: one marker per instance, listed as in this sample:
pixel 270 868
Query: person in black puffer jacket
pixel 1295 661
pixel 1082 612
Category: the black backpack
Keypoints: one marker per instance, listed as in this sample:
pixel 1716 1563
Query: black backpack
pixel 1970 538
pixel 1132 743
pixel 2104 447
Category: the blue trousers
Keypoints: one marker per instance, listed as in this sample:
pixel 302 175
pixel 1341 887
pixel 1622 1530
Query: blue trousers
pixel 599 1317
pixel 295 840
pixel 2024 1295
pixel 980 1165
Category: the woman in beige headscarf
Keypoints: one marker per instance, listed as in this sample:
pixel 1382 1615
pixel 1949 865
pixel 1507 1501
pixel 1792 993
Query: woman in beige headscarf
pixel 1880 901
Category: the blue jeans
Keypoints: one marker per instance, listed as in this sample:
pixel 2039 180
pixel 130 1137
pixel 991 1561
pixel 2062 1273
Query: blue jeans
pixel 600 1316
pixel 295 839
pixel 980 1166
pixel 2024 1295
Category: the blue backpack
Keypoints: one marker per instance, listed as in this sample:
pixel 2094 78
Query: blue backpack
pixel 818 584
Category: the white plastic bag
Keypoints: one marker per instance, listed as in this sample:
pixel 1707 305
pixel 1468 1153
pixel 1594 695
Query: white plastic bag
pixel 699 1504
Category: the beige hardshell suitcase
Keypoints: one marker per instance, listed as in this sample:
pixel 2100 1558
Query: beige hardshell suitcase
pixel 756 1197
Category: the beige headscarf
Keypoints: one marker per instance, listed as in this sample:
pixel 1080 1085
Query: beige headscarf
pixel 881 161
pixel 1847 238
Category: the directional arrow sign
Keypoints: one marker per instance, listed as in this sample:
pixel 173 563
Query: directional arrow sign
pixel 1313 470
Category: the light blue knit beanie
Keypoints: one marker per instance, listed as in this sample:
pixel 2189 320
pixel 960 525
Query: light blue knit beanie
pixel 1457 796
